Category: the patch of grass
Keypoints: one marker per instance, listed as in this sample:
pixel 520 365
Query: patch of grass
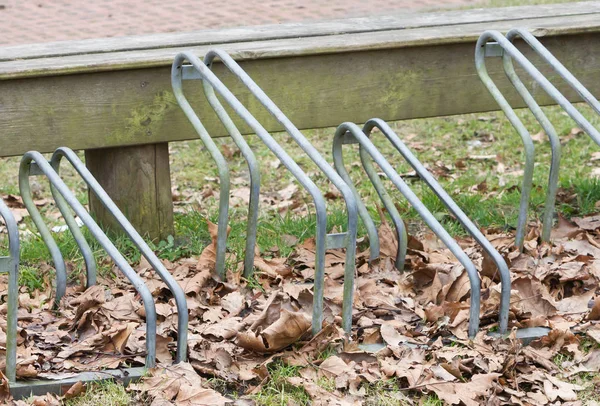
pixel 30 278
pixel 329 351
pixel 277 391
pixel 385 393
pixel 327 383
pixel 591 384
pixel 560 358
pixel 105 393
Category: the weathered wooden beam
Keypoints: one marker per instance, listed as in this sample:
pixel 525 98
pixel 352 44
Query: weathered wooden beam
pixel 133 107
pixel 139 182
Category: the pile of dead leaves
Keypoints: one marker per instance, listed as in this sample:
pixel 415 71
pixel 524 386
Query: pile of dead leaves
pixel 408 326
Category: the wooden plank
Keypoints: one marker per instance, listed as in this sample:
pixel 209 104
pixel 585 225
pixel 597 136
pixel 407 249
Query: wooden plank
pixel 129 107
pixel 294 30
pixel 139 182
pixel 343 43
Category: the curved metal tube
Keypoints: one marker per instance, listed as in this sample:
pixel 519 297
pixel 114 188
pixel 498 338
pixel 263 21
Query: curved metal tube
pixel 460 215
pixel 59 264
pixel 322 164
pixel 523 133
pixel 222 167
pixel 401 234
pixel 36 217
pixel 425 214
pixel 63 191
pixel 319 201
pixel 541 50
pixel 512 53
pixel 10 265
pixel 253 169
pixel 138 241
pixel 548 216
pixel 84 247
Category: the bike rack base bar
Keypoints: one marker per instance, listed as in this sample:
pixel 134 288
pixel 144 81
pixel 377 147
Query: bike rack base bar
pixel 39 387
pixel 5 264
pixel 336 241
pixel 526 335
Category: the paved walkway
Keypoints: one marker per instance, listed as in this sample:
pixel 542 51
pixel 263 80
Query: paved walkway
pixel 31 21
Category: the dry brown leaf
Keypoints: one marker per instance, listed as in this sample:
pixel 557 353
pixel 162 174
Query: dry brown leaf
pixel 77 389
pixel 209 254
pixel 285 331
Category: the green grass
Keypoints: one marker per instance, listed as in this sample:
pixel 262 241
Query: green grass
pixel 106 393
pixel 277 391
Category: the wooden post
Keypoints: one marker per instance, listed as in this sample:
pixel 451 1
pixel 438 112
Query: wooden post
pixel 138 179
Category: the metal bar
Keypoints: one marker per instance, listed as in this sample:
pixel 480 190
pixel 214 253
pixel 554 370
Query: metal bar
pixel 25 389
pixel 509 70
pixel 253 169
pixel 460 215
pixel 546 55
pixel 222 167
pixel 138 241
pixel 338 162
pixel 536 75
pixel 61 189
pixel 512 53
pixel 268 140
pixel 57 258
pixel 321 214
pixel 336 241
pixel 542 119
pixel 523 133
pixel 326 169
pixel 12 268
pixel 548 216
pixel 425 214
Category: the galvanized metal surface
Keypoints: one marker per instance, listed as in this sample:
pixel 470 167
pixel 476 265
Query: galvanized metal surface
pixel 509 53
pixel 136 238
pixel 460 215
pixel 66 199
pixel 210 81
pixel 25 389
pixel 350 129
pixel 10 265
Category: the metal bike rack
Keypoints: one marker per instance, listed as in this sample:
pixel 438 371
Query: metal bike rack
pixel 350 133
pixel 136 238
pixel 10 265
pixel 494 44
pixel 33 163
pixel 199 70
pixel 426 176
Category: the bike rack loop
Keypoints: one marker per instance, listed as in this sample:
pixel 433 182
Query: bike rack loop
pixel 199 70
pixel 138 241
pixel 254 171
pixel 224 180
pixel 464 220
pixel 10 265
pixel 344 134
pixel 547 217
pixel 59 264
pixel 571 80
pixel 34 162
pixel 352 203
pixel 493 43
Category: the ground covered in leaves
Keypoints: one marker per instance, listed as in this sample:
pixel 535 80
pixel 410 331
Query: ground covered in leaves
pixel 409 327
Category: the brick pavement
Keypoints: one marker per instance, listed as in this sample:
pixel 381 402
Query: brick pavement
pixel 28 21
